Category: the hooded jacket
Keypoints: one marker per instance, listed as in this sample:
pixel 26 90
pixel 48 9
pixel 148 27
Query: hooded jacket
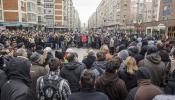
pixel 18 86
pixel 114 87
pixel 72 72
pixel 145 91
pixel 156 67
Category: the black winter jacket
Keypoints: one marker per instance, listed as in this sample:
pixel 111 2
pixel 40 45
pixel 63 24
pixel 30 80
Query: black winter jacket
pixel 86 94
pixel 3 79
pixel 72 72
pixel 129 79
pixel 170 88
pixel 15 90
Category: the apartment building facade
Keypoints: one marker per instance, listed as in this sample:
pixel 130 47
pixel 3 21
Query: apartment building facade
pixel 167 16
pixel 167 10
pixel 57 14
pixel 113 14
pixel 126 14
pixel 1 11
pixel 13 13
pixel 40 13
pixel 60 14
pixel 32 11
pixel 21 13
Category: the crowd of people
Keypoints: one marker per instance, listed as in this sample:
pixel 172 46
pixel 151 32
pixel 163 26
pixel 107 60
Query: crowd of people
pixel 125 68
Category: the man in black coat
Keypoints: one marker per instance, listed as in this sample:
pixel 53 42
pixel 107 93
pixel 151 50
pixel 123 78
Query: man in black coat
pixel 3 78
pixel 88 92
pixel 17 87
pixel 72 72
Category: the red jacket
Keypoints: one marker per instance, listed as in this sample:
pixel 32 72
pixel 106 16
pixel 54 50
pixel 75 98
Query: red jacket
pixel 84 38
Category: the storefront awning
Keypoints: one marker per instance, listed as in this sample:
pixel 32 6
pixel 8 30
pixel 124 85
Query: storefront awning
pixel 15 24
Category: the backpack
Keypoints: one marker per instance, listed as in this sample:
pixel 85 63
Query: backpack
pixel 52 88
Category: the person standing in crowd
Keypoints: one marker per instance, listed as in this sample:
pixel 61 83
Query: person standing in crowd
pixel 89 41
pixel 110 83
pixel 18 85
pixel 61 41
pixel 84 40
pixel 88 92
pixel 72 72
pixel 172 46
pixel 128 74
pixel 36 71
pixel 56 41
pixel 111 45
pixel 172 68
pixel 145 89
pixel 60 56
pixel 21 53
pixel 99 66
pixel 156 67
pixel 98 41
pixel 105 50
pixel 122 55
pixel 3 76
pixel 52 86
pixel 90 59
pixel 170 86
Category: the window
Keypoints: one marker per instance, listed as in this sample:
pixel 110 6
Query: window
pixel 31 6
pixel 48 5
pixel 49 17
pixel 39 19
pixel 22 4
pixel 31 17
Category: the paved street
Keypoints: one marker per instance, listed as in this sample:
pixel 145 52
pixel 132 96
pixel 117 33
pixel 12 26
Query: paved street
pixel 81 52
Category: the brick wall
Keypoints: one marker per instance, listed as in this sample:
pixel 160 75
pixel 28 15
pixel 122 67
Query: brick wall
pixel 11 16
pixel 10 4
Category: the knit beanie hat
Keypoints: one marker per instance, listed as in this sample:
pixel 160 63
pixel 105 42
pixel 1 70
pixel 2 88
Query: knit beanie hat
pixel 35 57
pixel 123 54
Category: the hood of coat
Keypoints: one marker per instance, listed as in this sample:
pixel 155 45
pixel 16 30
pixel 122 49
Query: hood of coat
pixel 154 58
pixel 72 65
pixel 108 78
pixel 19 69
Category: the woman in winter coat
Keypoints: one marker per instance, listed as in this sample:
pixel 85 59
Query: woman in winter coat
pixel 128 74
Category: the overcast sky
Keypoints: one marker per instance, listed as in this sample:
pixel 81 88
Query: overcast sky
pixel 86 8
